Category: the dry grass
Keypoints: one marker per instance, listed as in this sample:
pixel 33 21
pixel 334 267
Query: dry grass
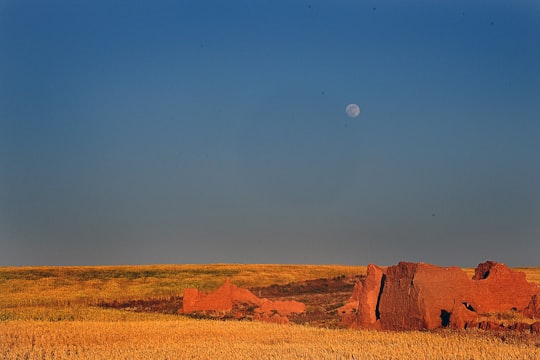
pixel 51 312
pixel 198 339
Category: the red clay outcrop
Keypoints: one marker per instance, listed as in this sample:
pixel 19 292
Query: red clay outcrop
pixel 239 303
pixel 415 296
pixel 219 300
pixel 533 308
pixel 499 288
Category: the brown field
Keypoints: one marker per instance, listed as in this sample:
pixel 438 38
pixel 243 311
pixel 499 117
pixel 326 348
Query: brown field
pixel 54 313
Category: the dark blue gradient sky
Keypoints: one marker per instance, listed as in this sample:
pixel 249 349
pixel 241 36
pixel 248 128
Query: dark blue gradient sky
pixel 215 131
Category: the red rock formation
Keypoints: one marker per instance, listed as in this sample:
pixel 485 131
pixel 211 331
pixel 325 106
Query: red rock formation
pixel 412 296
pixel 228 296
pixel 368 312
pixel 361 309
pixel 420 296
pixel 220 300
pixel 191 296
pixel 498 288
pixel 533 308
pixel 349 310
pixel 461 316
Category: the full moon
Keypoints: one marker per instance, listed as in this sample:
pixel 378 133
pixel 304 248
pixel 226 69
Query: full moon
pixel 352 110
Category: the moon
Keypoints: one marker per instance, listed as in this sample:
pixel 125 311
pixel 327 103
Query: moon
pixel 352 110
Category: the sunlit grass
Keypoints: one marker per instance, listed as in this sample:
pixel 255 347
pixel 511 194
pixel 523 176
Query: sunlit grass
pixel 53 312
pixel 182 338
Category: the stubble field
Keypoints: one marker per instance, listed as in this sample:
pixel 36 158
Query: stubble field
pixel 56 313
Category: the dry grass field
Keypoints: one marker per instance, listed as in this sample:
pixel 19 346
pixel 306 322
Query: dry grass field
pixel 53 313
pixel 204 339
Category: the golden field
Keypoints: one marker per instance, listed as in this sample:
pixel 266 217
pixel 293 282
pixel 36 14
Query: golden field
pixel 52 313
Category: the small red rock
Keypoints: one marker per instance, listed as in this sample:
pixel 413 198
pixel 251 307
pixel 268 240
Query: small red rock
pixel 228 295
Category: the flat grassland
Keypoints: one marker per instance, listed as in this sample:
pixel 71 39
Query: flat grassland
pixel 55 313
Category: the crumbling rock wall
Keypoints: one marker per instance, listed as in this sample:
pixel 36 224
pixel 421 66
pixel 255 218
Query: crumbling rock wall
pixel 415 296
pixel 240 303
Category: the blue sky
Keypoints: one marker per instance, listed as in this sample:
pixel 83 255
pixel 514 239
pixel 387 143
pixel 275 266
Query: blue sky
pixel 136 132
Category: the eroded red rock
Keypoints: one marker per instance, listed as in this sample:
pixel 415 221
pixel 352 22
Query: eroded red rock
pixel 500 288
pixel 533 308
pixel 414 296
pixel 461 316
pixel 229 297
pixel 220 300
pixel 349 310
pixel 420 296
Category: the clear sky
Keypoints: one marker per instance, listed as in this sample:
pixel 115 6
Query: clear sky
pixel 137 132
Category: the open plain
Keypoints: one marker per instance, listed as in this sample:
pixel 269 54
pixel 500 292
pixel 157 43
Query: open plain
pixel 121 312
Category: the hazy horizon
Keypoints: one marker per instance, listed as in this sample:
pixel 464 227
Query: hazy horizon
pixel 215 132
